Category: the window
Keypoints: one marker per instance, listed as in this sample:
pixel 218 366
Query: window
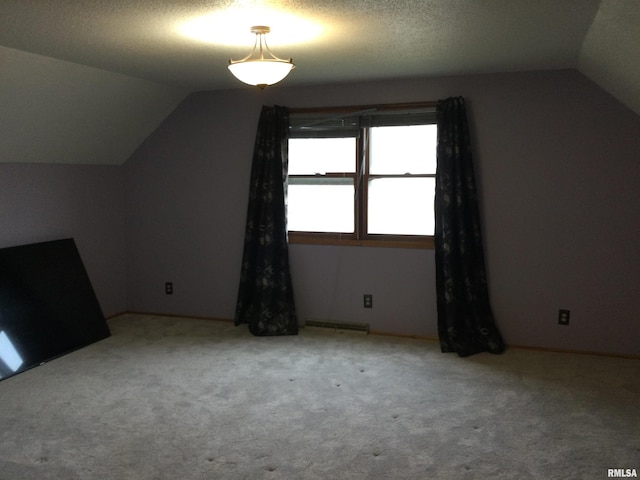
pixel 363 178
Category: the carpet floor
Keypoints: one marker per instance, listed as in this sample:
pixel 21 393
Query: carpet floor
pixel 178 398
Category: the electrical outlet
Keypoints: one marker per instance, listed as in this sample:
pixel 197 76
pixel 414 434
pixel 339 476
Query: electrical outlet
pixel 563 317
pixel 368 300
pixel 168 288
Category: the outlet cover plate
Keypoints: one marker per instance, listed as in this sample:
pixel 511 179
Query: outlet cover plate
pixel 368 300
pixel 563 317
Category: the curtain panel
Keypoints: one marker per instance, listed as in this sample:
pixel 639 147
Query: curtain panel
pixel 465 320
pixel 265 295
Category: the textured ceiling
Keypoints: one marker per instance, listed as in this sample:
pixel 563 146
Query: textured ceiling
pixel 352 39
pixel 144 56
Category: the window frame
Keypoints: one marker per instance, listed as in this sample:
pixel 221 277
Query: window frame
pixel 360 237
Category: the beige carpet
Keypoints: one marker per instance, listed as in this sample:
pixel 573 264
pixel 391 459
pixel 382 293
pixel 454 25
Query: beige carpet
pixel 168 398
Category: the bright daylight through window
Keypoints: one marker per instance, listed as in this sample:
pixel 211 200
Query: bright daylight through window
pixel 362 178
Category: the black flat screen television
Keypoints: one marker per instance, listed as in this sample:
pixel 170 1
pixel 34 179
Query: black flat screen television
pixel 47 305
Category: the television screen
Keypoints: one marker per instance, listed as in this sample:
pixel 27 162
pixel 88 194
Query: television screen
pixel 47 305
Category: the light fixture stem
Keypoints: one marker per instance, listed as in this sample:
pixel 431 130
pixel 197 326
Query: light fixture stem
pixel 270 52
pixel 262 39
pixel 251 53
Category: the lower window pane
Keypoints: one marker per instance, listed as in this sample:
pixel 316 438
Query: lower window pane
pixel 401 206
pixel 320 208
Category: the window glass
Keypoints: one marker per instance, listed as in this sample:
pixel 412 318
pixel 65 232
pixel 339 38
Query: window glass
pixel 401 206
pixel 321 205
pixel 367 177
pixel 403 149
pixel 308 156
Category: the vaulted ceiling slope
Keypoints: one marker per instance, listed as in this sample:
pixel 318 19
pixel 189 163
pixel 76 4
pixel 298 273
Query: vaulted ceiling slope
pixel 86 82
pixel 52 111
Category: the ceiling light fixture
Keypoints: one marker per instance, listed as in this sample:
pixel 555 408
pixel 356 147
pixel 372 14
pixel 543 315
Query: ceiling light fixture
pixel 255 69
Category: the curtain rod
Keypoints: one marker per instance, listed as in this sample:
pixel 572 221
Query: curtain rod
pixel 357 108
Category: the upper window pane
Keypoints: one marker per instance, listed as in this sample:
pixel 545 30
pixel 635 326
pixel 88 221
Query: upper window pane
pixel 405 149
pixel 309 156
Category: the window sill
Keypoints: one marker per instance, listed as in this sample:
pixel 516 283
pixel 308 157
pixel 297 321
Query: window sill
pixel 389 241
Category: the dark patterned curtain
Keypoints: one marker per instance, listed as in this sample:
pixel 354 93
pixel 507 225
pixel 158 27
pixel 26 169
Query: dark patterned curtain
pixel 465 320
pixel 265 296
